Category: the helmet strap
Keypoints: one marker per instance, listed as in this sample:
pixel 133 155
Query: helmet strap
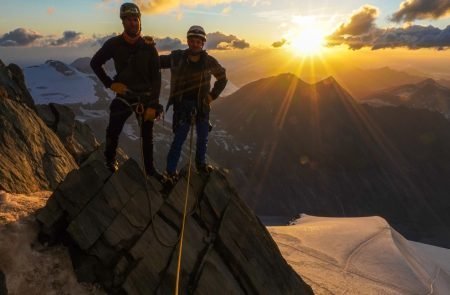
pixel 129 39
pixel 190 52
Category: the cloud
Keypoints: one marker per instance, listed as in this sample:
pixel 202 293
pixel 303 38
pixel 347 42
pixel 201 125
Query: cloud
pixel 360 31
pixel 361 21
pixel 19 37
pixel 102 39
pixel 161 6
pixel 68 38
pixel 413 37
pixel 280 43
pixel 169 44
pixel 221 41
pixel 411 10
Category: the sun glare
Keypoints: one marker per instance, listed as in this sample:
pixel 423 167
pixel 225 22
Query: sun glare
pixel 309 41
pixel 307 37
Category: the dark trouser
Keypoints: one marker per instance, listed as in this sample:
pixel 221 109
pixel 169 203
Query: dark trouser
pixel 119 113
pixel 181 132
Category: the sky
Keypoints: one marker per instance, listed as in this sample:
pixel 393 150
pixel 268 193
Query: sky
pixel 33 31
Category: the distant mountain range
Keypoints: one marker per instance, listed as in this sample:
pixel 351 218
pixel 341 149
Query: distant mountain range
pixel 55 81
pixel 314 149
pixel 297 148
pixel 427 94
pixel 363 82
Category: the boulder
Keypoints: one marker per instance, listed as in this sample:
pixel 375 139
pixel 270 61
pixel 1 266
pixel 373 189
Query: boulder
pixel 76 136
pixel 33 158
pixel 12 84
pixel 123 232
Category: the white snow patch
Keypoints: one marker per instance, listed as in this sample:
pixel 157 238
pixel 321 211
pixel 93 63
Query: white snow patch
pixel 361 256
pixel 47 85
pixel 94 113
pixel 128 129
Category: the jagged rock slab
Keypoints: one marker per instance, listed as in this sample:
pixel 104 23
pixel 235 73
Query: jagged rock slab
pixel 33 158
pixel 124 232
pixel 76 136
pixel 12 84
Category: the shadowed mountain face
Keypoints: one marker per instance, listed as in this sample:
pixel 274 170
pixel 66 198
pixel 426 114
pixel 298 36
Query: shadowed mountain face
pixel 314 149
pixel 427 94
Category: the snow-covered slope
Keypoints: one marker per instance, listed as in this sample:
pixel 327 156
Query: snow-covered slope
pixel 29 268
pixel 361 256
pixel 57 82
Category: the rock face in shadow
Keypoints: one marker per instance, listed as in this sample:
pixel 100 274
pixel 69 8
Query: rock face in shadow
pixel 124 234
pixel 3 289
pixel 32 156
pixel 313 149
pixel 76 136
pixel 12 85
pixel 428 94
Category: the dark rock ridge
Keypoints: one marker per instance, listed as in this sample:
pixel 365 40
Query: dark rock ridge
pixel 315 150
pixel 428 94
pixel 33 158
pixel 76 136
pixel 124 235
pixel 60 67
pixel 3 289
pixel 12 85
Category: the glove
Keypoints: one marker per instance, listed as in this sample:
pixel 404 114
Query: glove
pixel 119 88
pixel 208 99
pixel 149 114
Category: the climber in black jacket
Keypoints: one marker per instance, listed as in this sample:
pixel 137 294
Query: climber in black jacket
pixel 137 66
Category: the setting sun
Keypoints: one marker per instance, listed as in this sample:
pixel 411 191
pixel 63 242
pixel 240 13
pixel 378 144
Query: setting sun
pixel 309 41
pixel 307 37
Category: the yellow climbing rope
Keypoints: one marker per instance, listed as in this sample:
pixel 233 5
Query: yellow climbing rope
pixel 180 251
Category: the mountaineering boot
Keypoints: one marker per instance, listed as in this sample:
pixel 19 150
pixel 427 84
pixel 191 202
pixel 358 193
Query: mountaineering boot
pixel 112 165
pixel 170 179
pixel 153 172
pixel 203 168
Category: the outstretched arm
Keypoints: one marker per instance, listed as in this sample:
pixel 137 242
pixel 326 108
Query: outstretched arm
pixel 155 76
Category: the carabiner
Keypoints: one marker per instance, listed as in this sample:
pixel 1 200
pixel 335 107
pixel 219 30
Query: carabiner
pixel 139 109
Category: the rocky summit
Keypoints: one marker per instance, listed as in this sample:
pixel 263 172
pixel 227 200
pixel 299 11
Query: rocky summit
pixel 124 232
pixel 33 158
pixel 76 136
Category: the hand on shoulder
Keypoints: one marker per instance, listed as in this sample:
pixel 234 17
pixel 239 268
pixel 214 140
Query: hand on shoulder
pixel 149 40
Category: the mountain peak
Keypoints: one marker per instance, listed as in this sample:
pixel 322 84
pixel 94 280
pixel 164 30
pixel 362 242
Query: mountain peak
pixel 328 81
pixel 60 67
pixel 428 81
pixel 288 76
